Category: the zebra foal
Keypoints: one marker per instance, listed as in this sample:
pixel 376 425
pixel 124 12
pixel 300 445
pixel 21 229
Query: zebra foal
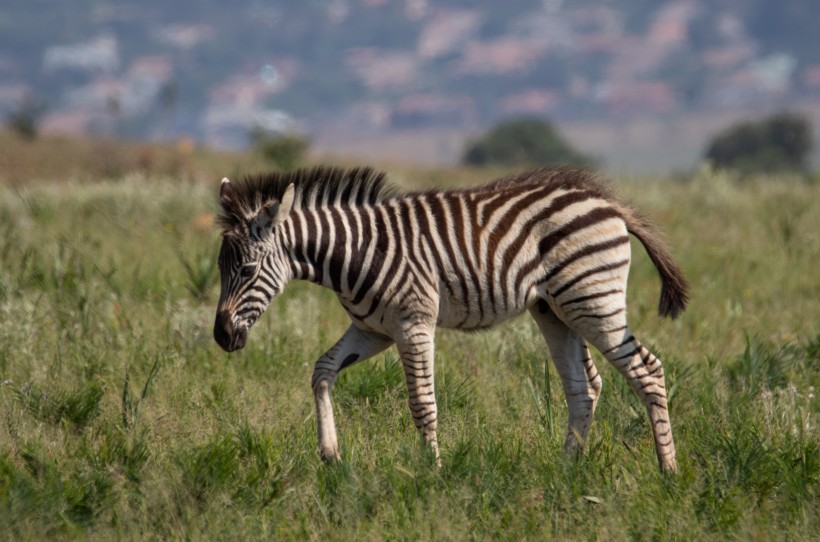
pixel 552 241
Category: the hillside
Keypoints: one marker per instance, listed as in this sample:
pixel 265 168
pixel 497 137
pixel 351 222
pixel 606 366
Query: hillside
pixel 213 70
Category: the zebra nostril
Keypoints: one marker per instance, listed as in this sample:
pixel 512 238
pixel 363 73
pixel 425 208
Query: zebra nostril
pixel 223 330
pixel 240 339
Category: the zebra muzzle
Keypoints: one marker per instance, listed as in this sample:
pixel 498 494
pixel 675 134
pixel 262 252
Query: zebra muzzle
pixel 226 335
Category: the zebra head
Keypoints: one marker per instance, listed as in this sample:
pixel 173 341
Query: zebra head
pixel 252 265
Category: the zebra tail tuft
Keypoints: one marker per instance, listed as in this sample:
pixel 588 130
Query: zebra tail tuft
pixel 674 287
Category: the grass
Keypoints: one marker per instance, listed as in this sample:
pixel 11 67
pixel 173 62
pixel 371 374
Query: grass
pixel 120 418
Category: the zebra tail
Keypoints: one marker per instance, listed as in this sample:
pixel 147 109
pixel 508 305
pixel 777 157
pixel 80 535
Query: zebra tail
pixel 674 287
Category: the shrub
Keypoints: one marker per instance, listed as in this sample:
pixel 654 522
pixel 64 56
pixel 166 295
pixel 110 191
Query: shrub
pixel 25 120
pixel 523 142
pixel 781 142
pixel 285 151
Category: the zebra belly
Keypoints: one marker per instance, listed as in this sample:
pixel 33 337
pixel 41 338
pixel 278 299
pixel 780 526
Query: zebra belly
pixel 478 311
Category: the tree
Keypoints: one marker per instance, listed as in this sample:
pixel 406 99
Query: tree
pixel 285 151
pixel 781 142
pixel 25 120
pixel 522 142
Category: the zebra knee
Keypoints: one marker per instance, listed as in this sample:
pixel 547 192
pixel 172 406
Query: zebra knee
pixel 642 369
pixel 645 365
pixel 322 379
pixel 594 380
pixel 596 385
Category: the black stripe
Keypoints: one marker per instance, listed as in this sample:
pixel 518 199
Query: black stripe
pixel 597 316
pixel 425 234
pixel 548 243
pixel 590 296
pixel 589 273
pixel 492 206
pixel 344 195
pixel 350 215
pixel 337 251
pixel 556 205
pixel 409 234
pixel 586 251
pixel 443 233
pixel 298 241
pixel 313 243
pixel 379 251
pixel 511 216
pixel 357 261
pixel 454 203
pixel 629 355
pixel 253 302
pixel 349 360
pixel 324 247
pixel 389 233
pixel 263 278
pixel 626 341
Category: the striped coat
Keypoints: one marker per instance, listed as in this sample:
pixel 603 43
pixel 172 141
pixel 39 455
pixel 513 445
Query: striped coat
pixel 553 242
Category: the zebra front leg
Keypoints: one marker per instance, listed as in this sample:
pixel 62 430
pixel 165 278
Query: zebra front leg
pixel 355 345
pixel 417 351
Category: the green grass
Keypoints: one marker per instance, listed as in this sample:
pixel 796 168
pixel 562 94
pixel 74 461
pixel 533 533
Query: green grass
pixel 120 418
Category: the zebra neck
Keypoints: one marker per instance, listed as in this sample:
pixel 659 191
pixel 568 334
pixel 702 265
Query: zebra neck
pixel 322 250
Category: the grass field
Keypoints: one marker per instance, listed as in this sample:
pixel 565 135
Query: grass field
pixel 121 419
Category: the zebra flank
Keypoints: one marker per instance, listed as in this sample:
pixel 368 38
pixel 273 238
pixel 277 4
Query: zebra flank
pixel 554 242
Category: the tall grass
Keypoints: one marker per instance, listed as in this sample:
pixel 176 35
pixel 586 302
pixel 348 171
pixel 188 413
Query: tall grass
pixel 119 417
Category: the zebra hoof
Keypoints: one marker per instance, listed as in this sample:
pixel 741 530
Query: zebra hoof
pixel 669 467
pixel 668 464
pixel 330 456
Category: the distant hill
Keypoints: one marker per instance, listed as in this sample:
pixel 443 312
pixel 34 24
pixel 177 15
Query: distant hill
pixel 214 70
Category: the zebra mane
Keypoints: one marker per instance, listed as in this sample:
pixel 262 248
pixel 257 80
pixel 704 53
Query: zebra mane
pixel 313 187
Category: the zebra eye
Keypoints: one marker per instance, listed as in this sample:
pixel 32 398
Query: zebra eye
pixel 247 271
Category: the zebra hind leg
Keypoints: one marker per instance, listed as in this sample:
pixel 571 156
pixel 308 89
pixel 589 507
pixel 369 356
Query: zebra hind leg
pixel 606 329
pixel 581 381
pixel 644 372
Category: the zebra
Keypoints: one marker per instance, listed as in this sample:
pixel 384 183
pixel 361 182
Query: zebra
pixel 552 241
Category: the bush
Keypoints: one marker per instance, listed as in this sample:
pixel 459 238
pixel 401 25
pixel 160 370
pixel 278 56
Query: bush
pixel 781 142
pixel 25 120
pixel 523 142
pixel 285 151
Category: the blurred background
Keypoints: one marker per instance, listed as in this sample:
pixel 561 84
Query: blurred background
pixel 636 87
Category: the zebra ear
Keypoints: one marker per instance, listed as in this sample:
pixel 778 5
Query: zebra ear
pixel 275 212
pixel 286 205
pixel 227 195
